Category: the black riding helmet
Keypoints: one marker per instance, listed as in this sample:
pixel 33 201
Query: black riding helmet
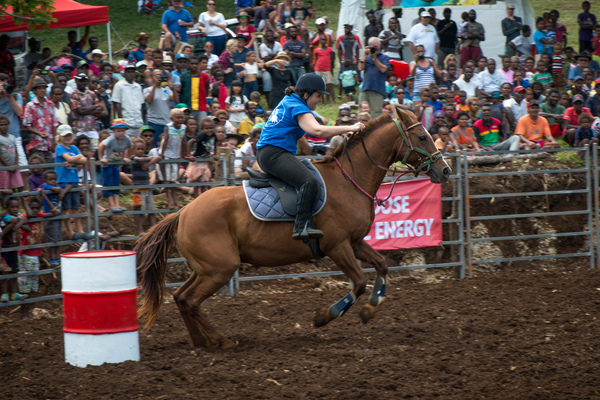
pixel 310 83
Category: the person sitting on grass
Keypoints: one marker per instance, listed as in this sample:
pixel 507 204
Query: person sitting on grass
pixel 585 135
pixel 116 147
pixel 142 199
pixel 104 234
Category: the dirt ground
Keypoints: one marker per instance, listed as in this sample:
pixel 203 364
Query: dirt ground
pixel 518 334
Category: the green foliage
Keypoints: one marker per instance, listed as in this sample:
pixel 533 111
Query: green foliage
pixel 33 13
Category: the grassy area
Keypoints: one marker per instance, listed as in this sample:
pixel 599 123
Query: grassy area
pixel 127 24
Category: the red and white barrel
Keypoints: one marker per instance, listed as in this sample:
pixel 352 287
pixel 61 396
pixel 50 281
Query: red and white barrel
pixel 100 310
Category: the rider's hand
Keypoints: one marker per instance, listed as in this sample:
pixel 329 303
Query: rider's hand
pixel 357 127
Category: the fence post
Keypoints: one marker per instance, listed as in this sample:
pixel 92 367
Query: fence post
pixel 461 217
pixel 467 215
pixel 595 188
pixel 590 188
pixel 95 202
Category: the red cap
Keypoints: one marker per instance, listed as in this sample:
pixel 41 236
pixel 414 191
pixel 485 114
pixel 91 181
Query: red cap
pixel 518 89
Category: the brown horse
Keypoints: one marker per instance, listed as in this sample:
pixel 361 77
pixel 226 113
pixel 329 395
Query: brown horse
pixel 217 232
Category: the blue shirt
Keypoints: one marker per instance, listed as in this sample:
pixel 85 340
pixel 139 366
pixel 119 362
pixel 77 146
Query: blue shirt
pixel 51 196
pixel 137 54
pixel 537 39
pixel 64 174
pixel 373 78
pixel 437 105
pixel 282 128
pixel 581 134
pixel 6 108
pixel 171 18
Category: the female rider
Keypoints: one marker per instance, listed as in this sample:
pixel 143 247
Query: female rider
pixel 288 123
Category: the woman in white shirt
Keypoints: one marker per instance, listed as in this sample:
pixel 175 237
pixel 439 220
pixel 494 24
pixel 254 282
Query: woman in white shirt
pixel 214 25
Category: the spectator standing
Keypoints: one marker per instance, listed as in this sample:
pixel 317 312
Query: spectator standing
pixel 349 80
pixel 315 37
pixel 296 49
pixel 245 29
pixel 543 42
pixel 587 22
pixel 85 106
pixel 426 35
pixel 324 58
pixel 235 104
pixel 136 55
pixel 511 27
pixel 158 98
pixel 372 29
pixel 172 148
pixel 33 57
pixel 7 61
pixel 226 63
pixel 391 40
pixel 77 46
pixel 11 106
pixel 521 45
pixel 281 77
pixel 142 199
pixel 214 25
pixel 195 85
pixel 375 66
pixel 251 72
pixel 61 109
pixel 348 46
pixel 175 20
pixel 535 130
pixel 116 147
pixel 9 157
pixel 268 50
pixel 40 119
pixel 447 31
pixel 424 69
pixel 560 29
pixel 201 171
pixel 470 46
pixel 69 155
pixel 128 100
pixel 10 224
pixel 239 55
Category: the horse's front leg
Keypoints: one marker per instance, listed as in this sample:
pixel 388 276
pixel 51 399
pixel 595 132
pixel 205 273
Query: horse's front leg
pixel 344 258
pixel 366 253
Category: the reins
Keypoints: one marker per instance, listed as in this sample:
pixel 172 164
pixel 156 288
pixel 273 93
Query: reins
pixel 429 159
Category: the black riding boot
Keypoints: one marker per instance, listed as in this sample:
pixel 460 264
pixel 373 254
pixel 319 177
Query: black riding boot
pixel 304 228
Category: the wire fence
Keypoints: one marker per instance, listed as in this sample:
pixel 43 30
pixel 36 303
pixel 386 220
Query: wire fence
pixel 461 226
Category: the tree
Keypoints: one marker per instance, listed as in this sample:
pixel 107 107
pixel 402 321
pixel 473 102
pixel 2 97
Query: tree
pixel 35 13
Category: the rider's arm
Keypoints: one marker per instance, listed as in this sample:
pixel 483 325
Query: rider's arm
pixel 309 124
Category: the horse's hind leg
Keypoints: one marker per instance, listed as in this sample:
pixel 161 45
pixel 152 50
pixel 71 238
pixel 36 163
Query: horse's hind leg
pixel 366 253
pixel 343 256
pixel 189 300
pixel 198 339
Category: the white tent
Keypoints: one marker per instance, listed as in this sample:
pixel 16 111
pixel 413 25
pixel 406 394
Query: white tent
pixel 490 16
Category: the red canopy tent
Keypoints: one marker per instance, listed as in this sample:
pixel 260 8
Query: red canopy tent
pixel 68 14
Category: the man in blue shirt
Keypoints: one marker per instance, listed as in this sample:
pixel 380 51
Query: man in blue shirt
pixel 137 54
pixel 375 65
pixel 175 20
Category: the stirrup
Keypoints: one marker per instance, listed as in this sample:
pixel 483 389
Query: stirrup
pixel 307 233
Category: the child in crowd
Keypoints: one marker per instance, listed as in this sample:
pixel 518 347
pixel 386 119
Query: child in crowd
pixel 584 133
pixel 104 234
pixel 250 72
pixel 10 223
pixel 434 100
pixel 255 97
pixel 390 85
pixel 462 101
pixel 543 76
pixel 201 171
pixel 300 16
pixel 191 128
pixel 69 154
pixel 9 157
pixel 444 142
pixel 142 199
pixel 172 148
pixel 52 202
pixel 115 148
pixel 365 107
pixel 32 235
pixel 248 149
pixel 324 59
pixel 424 111
pixel 36 175
pixel 349 80
pixel 463 30
pixel 235 104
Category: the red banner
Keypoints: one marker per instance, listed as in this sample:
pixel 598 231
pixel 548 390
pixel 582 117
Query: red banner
pixel 411 218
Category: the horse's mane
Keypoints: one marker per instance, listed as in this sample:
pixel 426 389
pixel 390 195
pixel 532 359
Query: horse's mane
pixel 370 127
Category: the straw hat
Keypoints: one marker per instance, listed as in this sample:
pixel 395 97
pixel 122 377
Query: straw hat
pixel 141 35
pixel 282 55
pixel 94 52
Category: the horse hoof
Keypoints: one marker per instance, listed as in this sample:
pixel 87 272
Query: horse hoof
pixel 322 317
pixel 228 344
pixel 367 313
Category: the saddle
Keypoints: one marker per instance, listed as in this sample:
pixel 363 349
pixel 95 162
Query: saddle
pixel 271 199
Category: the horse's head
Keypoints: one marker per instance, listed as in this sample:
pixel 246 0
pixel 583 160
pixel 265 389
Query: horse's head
pixel 416 147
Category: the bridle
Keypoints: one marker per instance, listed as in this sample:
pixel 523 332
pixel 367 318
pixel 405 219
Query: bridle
pixel 425 158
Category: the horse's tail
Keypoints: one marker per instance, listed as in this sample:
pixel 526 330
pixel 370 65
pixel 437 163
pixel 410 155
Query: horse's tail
pixel 152 252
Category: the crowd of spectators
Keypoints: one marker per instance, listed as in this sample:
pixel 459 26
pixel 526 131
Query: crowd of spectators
pixel 152 109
